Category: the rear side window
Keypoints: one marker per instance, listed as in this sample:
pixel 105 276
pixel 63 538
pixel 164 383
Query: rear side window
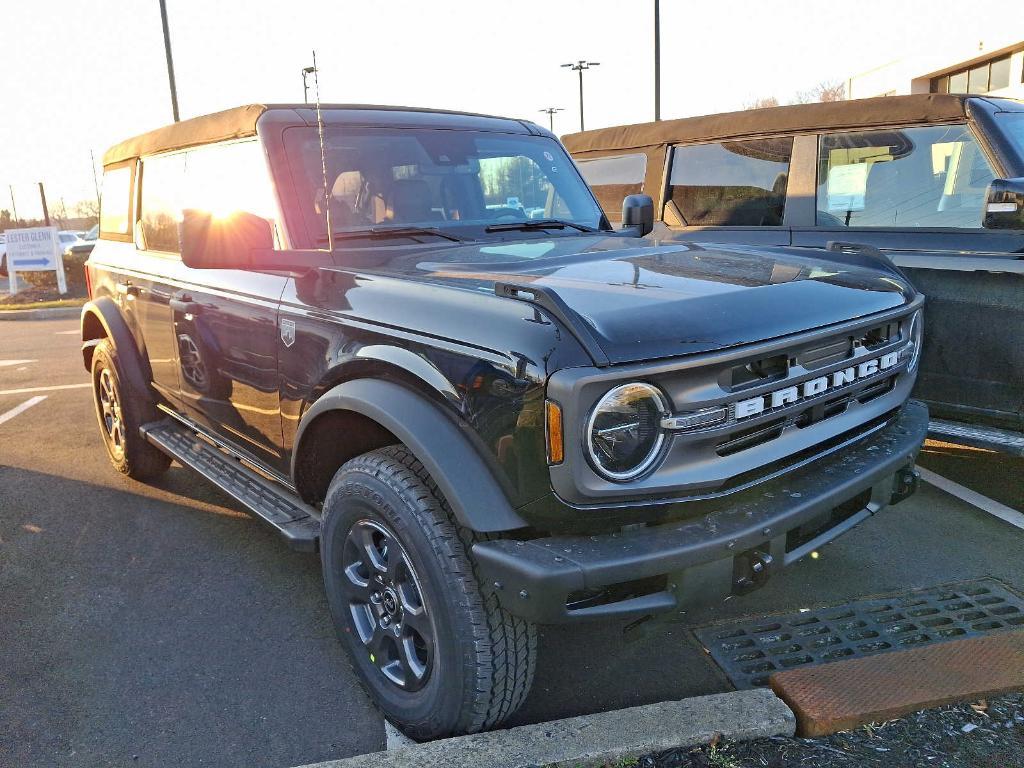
pixel 612 178
pixel 162 179
pixel 219 178
pixel 933 176
pixel 115 207
pixel 734 183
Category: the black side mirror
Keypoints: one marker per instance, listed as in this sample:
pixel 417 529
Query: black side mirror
pixel 638 212
pixel 1004 204
pixel 229 242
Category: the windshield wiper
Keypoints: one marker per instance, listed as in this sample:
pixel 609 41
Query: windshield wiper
pixel 385 232
pixel 537 224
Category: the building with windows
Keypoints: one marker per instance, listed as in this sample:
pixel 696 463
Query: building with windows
pixel 994 66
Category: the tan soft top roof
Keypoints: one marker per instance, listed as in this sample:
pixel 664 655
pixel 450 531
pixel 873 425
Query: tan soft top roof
pixel 856 113
pixel 238 123
pixel 230 124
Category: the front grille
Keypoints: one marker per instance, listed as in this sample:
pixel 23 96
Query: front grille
pixel 811 356
pixel 860 431
pixel 830 404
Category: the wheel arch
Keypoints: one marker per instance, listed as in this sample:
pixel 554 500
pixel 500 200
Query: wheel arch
pixel 101 319
pixel 375 412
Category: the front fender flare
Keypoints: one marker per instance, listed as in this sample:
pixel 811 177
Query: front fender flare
pixel 440 444
pixel 106 312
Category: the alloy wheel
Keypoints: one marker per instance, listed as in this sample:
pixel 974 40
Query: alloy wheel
pixel 110 409
pixel 386 605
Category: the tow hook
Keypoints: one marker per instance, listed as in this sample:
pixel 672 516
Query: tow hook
pixel 904 483
pixel 750 570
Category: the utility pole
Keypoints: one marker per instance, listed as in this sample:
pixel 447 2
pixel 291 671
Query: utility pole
pixel 14 208
pixel 170 61
pixel 551 116
pixel 95 181
pixel 42 198
pixel 580 66
pixel 305 87
pixel 657 59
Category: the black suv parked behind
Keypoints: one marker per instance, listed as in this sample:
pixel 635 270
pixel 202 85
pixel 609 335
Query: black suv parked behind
pixel 935 181
pixel 410 340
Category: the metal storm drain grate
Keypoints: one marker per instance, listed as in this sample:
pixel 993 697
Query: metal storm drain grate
pixel 749 651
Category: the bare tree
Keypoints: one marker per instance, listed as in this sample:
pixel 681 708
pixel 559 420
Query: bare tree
pixel 823 91
pixel 87 209
pixel 764 101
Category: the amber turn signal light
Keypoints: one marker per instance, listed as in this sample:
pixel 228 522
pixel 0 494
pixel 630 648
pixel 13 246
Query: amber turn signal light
pixel 553 428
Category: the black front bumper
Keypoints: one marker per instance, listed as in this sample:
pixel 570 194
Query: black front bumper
pixel 729 549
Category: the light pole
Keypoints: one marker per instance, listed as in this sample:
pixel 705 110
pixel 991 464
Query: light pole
pixel 580 66
pixel 657 59
pixel 170 61
pixel 551 116
pixel 305 87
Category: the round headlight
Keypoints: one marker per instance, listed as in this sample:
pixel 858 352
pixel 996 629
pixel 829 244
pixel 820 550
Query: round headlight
pixel 916 339
pixel 624 435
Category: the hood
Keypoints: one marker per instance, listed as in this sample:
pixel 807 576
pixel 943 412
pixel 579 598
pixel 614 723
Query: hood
pixel 645 300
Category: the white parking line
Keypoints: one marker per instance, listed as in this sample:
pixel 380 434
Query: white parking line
pixel 68 333
pixel 993 507
pixel 21 408
pixel 30 390
pixel 5 363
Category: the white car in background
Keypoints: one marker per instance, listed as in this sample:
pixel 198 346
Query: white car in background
pixel 66 239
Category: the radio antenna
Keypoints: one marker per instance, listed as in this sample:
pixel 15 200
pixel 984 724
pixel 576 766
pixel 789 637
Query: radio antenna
pixel 323 155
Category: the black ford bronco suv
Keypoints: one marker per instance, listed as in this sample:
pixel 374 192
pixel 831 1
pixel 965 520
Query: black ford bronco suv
pixel 410 341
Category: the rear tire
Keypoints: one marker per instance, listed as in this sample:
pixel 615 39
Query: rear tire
pixel 469 662
pixel 120 412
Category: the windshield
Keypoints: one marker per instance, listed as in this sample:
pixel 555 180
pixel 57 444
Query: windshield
pixel 451 180
pixel 1013 127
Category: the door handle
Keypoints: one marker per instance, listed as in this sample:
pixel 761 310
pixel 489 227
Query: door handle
pixel 125 288
pixel 182 302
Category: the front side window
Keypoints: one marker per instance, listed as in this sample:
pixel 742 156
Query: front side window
pixel 445 179
pixel 935 176
pixel 734 183
pixel 612 178
pixel 115 204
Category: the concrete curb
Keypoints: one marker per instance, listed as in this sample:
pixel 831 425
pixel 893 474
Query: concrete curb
pixel 601 739
pixel 53 313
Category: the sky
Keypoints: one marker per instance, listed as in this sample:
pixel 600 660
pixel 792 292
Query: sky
pixel 81 75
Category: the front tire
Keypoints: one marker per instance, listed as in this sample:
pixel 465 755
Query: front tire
pixel 120 412
pixel 438 655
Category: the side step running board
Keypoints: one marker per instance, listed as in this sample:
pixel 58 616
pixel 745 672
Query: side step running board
pixel 295 520
pixel 990 438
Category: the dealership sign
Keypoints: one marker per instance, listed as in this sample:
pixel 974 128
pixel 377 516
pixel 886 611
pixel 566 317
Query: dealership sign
pixel 35 249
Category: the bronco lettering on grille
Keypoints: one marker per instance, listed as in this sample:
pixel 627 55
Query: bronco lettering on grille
pixel 812 387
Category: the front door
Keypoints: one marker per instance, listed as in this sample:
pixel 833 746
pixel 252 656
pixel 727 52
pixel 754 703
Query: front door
pixel 919 195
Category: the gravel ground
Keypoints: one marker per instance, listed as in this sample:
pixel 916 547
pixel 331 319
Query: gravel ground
pixel 985 734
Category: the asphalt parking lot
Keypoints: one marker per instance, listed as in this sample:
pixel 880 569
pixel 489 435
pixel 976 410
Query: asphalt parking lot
pixel 160 625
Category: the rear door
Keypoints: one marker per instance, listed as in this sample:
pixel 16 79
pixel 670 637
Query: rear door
pixel 729 191
pixel 918 193
pixel 222 323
